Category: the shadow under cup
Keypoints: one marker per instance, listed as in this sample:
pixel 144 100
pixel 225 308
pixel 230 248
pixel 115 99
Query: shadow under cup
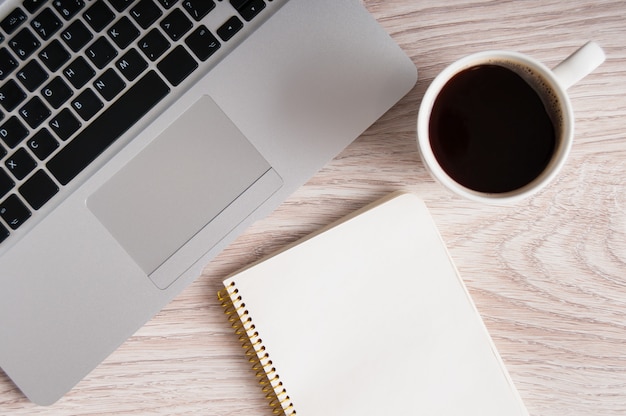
pixel 495 126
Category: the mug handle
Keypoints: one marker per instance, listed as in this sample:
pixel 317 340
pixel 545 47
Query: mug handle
pixel 579 64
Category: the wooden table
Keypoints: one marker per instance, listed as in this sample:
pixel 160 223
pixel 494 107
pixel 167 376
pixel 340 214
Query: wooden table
pixel 548 274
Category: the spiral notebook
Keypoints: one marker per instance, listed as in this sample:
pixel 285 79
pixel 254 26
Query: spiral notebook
pixel 368 317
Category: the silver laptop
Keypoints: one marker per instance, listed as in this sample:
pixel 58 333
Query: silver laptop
pixel 139 137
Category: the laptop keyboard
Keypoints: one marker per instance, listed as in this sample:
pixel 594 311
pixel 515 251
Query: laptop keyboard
pixel 75 75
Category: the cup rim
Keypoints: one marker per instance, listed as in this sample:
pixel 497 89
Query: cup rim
pixel 485 57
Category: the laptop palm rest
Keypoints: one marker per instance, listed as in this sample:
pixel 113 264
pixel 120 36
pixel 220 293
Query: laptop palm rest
pixel 189 183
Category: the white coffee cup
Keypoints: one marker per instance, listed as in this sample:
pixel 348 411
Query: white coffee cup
pixel 549 85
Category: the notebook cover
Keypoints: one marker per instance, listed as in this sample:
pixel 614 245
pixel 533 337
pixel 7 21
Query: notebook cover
pixel 369 317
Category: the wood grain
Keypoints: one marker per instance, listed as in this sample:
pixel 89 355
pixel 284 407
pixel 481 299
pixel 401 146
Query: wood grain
pixel 548 274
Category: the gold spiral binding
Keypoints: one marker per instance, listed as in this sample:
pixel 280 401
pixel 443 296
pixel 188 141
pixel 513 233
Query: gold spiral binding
pixel 251 342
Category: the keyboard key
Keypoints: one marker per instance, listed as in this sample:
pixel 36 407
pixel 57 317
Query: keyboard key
pixel 177 65
pixel 79 72
pixel 202 43
pixel 153 45
pixel 87 104
pixel 238 4
pixel 7 63
pixel 10 23
pixel 38 189
pixel 46 24
pixel 109 84
pixel 197 9
pixel 251 9
pixel 14 212
pixel 99 16
pixel 64 124
pixel 101 52
pixel 76 35
pixel 120 5
pixel 131 65
pixel 123 32
pixel 32 75
pixel 108 127
pixel 68 8
pixel 167 3
pixel 34 112
pixel 13 132
pixel 20 163
pixel 176 24
pixel 4 233
pixel 230 28
pixel 145 13
pixel 6 183
pixel 11 95
pixel 57 92
pixel 54 55
pixel 42 144
pixel 33 5
pixel 24 43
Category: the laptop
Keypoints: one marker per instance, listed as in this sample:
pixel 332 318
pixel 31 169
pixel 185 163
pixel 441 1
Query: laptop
pixel 139 137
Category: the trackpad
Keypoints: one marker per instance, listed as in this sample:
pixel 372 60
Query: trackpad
pixel 185 179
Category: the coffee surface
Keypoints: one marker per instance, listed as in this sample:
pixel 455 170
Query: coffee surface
pixel 490 131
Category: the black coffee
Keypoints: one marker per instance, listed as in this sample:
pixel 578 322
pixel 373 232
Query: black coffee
pixel 490 130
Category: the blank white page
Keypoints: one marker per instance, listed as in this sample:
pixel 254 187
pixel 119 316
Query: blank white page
pixel 370 317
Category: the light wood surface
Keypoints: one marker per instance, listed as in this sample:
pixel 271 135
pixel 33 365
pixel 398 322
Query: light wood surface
pixel 548 274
